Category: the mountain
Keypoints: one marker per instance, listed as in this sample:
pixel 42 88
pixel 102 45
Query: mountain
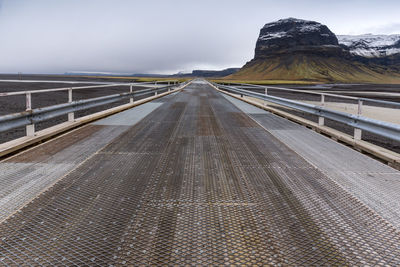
pixel 208 73
pixel 194 73
pixel 294 49
pixel 295 35
pixel 370 45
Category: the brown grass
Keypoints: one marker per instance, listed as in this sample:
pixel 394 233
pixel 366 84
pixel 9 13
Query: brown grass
pixel 303 69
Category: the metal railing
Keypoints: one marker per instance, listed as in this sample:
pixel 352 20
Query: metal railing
pixel 30 116
pixel 322 95
pixel 358 122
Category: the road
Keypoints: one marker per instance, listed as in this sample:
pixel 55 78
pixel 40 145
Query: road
pixel 197 178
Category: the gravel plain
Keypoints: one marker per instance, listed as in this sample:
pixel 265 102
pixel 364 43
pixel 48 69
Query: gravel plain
pixel 15 104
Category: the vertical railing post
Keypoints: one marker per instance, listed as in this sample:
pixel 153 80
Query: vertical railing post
pixel 266 93
pixel 321 120
pixel 359 110
pixel 71 116
pixel 30 129
pixel 130 91
pixel 358 132
pixel 28 101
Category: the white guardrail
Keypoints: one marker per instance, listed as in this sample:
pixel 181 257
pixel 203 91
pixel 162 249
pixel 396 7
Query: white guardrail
pixel 30 116
pixel 358 122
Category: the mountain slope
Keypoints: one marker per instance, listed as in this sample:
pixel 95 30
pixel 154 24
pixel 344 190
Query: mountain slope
pixel 314 69
pixel 293 50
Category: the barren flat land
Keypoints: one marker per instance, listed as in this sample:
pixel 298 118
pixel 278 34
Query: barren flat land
pixel 15 104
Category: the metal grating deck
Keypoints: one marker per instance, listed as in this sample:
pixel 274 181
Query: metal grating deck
pixel 374 183
pixel 197 182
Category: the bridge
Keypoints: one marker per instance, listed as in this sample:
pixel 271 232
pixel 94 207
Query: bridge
pixel 197 177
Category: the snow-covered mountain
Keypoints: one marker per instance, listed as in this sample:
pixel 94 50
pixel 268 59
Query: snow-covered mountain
pixel 370 45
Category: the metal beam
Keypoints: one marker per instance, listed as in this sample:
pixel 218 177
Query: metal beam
pixel 385 129
pixel 32 116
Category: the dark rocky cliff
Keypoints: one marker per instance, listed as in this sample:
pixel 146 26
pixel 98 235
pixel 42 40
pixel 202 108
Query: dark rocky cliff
pixel 297 36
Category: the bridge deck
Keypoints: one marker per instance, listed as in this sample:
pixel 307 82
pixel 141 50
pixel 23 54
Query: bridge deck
pixel 197 181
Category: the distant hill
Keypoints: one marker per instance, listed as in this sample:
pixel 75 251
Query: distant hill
pixel 208 73
pixel 194 73
pixel 293 49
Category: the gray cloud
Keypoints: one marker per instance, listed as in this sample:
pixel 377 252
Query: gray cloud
pixel 48 36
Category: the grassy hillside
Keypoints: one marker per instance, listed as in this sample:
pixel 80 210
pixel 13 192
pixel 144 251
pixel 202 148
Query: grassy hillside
pixel 264 82
pixel 312 68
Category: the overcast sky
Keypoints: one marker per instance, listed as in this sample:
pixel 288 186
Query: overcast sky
pixel 162 36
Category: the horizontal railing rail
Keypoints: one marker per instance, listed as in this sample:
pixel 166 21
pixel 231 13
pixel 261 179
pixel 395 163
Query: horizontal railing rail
pixel 147 84
pixel 30 116
pixel 76 82
pixel 358 122
pixel 322 95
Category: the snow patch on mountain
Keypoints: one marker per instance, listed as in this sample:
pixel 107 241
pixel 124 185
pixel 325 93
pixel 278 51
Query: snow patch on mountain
pixel 369 45
pixel 310 28
pixel 285 21
pixel 370 39
pixel 298 24
pixel 273 35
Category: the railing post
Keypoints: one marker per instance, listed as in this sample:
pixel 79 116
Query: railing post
pixel 30 129
pixel 130 91
pixel 71 116
pixel 28 102
pixel 358 132
pixel 321 120
pixel 266 93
